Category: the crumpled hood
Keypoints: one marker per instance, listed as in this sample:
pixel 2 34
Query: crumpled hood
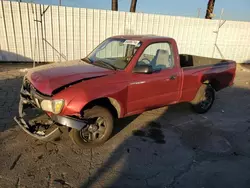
pixel 49 77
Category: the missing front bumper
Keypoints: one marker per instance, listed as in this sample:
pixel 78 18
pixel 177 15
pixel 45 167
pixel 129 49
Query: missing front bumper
pixel 46 134
pixel 46 137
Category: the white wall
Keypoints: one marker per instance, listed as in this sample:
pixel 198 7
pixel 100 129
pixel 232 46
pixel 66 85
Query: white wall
pixel 65 33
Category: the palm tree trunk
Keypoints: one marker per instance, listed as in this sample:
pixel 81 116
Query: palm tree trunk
pixel 210 9
pixel 114 5
pixel 133 6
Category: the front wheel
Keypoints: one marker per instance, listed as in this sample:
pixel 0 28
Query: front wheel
pixel 97 132
pixel 206 100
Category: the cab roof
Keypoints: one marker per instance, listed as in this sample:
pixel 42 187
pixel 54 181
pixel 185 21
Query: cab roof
pixel 140 37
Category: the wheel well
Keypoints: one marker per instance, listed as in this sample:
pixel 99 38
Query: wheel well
pixel 104 102
pixel 213 83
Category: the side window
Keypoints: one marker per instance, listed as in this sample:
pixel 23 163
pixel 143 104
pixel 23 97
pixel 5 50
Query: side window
pixel 158 55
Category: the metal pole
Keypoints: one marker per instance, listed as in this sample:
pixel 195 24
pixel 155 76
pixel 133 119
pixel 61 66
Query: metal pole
pixel 34 26
pixel 217 34
pixel 5 28
pixel 13 29
pixel 221 13
pixel 199 12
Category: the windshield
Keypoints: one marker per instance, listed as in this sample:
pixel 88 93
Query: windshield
pixel 114 53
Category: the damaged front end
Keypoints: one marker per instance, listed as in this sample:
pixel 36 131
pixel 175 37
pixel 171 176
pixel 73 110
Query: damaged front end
pixel 38 123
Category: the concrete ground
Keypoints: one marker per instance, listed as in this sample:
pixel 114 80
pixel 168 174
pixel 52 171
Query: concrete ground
pixel 166 147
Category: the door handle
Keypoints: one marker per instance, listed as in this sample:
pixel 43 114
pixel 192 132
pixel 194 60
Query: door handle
pixel 173 77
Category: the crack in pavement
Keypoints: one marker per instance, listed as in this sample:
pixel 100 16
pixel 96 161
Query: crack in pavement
pixel 90 165
pixel 240 154
pixel 49 179
pixel 181 173
pixel 150 177
pixel 62 182
pixel 15 162
pixel 18 182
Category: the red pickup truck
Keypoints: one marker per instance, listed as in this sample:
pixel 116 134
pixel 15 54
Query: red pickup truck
pixel 123 76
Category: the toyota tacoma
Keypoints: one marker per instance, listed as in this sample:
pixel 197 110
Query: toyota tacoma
pixel 122 76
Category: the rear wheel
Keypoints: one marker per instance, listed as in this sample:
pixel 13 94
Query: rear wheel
pixel 205 100
pixel 97 131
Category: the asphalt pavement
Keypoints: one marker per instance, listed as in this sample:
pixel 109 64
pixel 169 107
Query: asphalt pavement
pixel 167 147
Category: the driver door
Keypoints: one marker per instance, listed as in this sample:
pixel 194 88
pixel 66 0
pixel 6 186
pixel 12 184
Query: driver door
pixel 160 88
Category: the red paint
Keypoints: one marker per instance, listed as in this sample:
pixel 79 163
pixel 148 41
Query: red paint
pixel 47 78
pixel 154 90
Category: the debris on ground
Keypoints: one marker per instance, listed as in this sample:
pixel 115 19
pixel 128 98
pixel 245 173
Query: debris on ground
pixel 23 70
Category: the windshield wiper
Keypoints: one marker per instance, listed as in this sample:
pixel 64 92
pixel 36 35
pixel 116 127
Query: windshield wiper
pixel 105 64
pixel 87 59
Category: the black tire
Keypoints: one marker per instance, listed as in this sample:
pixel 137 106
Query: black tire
pixel 204 99
pixel 79 137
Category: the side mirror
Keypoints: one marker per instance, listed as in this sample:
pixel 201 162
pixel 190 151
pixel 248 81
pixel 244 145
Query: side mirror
pixel 143 69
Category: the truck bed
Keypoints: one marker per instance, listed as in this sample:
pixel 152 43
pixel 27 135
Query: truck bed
pixel 196 70
pixel 197 61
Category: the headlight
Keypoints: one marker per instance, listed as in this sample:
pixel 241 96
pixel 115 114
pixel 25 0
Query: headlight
pixel 54 106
